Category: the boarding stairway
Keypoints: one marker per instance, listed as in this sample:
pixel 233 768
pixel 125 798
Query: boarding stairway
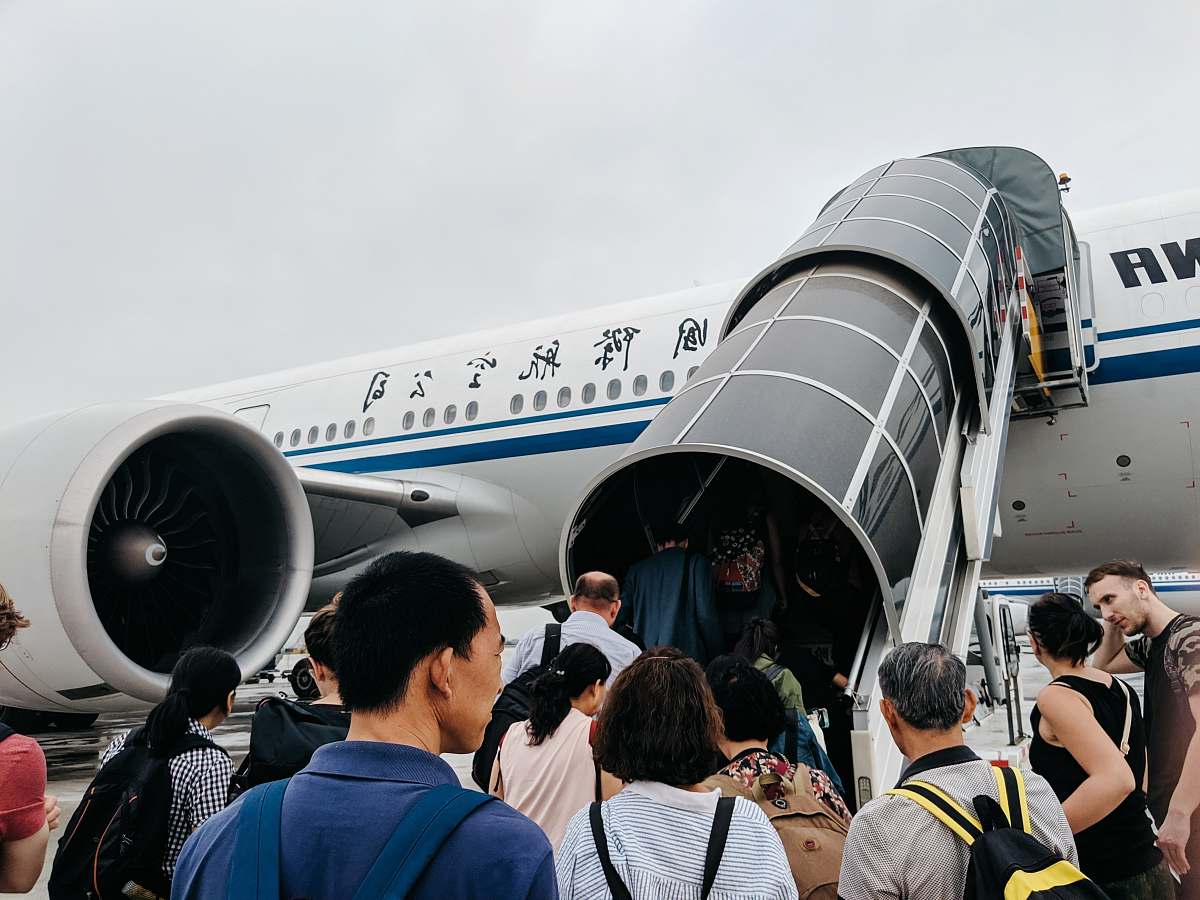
pixel 877 364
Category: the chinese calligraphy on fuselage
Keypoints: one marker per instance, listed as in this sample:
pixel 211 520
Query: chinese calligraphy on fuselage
pixel 419 390
pixel 614 343
pixel 544 362
pixel 692 336
pixel 376 390
pixel 481 364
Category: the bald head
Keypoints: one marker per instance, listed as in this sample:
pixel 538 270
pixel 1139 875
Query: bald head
pixel 597 592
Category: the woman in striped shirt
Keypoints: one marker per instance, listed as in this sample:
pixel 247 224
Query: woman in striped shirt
pixel 666 836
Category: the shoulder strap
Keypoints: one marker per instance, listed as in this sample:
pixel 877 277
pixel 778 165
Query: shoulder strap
pixel 551 641
pixel 944 809
pixel 773 671
pixel 254 868
pixel 417 840
pixel 1010 784
pixel 615 885
pixel 192 741
pixel 716 843
pixel 1128 716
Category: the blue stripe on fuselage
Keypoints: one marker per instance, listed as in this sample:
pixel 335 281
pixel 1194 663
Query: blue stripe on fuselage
pixel 1112 370
pixel 528 445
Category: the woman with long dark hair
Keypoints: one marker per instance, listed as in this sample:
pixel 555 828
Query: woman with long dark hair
pixel 545 766
pixel 203 684
pixel 1089 744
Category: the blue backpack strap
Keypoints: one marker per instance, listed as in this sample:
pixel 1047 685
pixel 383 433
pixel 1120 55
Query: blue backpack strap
pixel 254 869
pixel 417 839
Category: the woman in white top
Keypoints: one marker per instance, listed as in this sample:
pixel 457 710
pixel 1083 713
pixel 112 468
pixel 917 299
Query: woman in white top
pixel 545 766
pixel 666 835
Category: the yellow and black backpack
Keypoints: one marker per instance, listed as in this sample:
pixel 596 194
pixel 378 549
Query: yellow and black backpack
pixel 1007 861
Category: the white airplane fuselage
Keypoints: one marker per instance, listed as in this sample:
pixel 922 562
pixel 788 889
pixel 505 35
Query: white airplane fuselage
pixel 532 412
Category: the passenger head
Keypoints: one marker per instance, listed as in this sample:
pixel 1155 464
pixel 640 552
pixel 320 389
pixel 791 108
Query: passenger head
pixel 670 535
pixel 596 592
pixel 760 637
pixel 203 684
pixel 576 678
pixel 1123 593
pixel 750 706
pixel 318 642
pixel 10 619
pixel 924 689
pixel 415 636
pixel 1061 629
pixel 659 721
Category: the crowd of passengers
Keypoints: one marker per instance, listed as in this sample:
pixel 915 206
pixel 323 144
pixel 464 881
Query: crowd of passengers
pixel 636 773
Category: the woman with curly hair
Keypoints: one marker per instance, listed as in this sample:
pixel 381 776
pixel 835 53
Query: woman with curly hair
pixel 666 834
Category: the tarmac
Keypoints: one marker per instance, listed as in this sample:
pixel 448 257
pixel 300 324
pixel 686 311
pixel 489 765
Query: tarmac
pixel 72 756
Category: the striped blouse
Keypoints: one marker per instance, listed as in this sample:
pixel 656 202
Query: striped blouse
pixel 657 837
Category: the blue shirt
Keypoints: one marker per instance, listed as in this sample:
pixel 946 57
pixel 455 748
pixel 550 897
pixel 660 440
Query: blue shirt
pixel 652 603
pixel 340 811
pixel 581 627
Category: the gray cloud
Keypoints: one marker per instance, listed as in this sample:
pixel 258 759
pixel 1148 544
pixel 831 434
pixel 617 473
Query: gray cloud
pixel 191 193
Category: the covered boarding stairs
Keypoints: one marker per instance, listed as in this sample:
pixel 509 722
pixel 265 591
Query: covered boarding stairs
pixel 870 373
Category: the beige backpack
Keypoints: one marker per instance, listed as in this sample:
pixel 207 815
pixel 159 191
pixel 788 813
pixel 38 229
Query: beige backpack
pixel 812 836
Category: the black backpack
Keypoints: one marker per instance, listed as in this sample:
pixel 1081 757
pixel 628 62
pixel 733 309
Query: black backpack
pixel 818 562
pixel 1006 859
pixel 512 705
pixel 118 834
pixel 284 735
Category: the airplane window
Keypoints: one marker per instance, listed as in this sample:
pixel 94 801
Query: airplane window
pixel 692 371
pixel 295 437
pixel 430 417
pixel 472 411
pixel 348 431
pixel 451 414
pixel 589 392
pixel 539 400
pixel 279 439
pixel 331 432
pixel 614 389
pixel 666 381
pixel 564 396
pixel 369 426
pixel 410 419
pixel 516 404
pixel 639 385
pixel 313 434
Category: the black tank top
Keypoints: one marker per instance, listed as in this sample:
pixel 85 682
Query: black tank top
pixel 1127 827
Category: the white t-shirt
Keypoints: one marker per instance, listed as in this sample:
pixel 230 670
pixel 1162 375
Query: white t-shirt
pixel 552 781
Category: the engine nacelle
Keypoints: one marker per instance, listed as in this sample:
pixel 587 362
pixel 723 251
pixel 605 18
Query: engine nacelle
pixel 130 532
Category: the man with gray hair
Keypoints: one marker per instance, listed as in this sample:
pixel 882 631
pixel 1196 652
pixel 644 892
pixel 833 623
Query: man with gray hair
pixel 898 849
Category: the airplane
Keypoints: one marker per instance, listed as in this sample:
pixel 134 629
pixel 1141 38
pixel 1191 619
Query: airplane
pixel 962 378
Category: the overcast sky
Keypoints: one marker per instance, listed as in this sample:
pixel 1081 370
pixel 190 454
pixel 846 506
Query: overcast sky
pixel 195 192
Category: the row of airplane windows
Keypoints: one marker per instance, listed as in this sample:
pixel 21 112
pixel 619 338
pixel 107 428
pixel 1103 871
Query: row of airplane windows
pixel 540 399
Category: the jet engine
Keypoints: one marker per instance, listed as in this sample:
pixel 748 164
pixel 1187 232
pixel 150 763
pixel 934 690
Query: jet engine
pixel 131 532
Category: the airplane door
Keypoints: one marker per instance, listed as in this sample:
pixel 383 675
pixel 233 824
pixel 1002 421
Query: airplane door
pixel 255 415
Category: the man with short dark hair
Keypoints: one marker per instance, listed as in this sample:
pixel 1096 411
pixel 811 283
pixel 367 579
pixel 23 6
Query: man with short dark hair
pixel 898 849
pixel 668 598
pixel 594 603
pixel 416 647
pixel 1168 651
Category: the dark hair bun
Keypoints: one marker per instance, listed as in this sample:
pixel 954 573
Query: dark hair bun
pixel 1064 628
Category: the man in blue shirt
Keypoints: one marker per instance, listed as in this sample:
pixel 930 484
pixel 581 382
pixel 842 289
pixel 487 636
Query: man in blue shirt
pixel 667 610
pixel 416 646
